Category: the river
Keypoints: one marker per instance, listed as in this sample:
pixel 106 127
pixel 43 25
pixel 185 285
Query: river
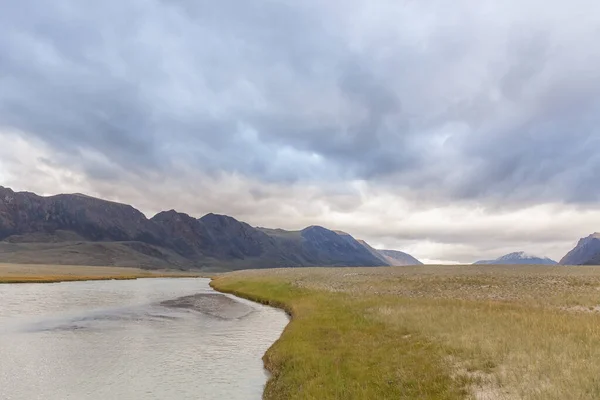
pixel 139 339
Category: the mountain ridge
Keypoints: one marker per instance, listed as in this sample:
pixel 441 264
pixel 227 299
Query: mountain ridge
pixel 586 252
pixel 399 258
pixel 518 258
pixel 39 229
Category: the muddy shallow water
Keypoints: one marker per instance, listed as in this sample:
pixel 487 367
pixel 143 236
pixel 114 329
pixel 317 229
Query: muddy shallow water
pixel 142 339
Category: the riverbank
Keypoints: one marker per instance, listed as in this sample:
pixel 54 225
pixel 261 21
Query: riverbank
pixel 462 332
pixel 34 273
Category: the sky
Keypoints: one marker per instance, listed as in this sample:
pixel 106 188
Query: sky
pixel 455 131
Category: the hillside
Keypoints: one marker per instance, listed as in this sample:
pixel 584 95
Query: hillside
pixel 392 258
pixel 587 252
pixel 78 229
pixel 399 258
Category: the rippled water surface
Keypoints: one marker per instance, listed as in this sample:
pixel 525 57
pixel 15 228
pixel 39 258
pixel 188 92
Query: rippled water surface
pixel 142 339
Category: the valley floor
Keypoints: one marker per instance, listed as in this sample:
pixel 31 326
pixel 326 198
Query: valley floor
pixel 33 273
pixel 435 332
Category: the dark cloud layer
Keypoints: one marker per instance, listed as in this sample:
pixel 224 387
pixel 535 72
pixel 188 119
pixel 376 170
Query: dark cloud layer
pixel 492 104
pixel 229 85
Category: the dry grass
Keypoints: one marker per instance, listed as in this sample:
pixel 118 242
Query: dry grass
pixel 18 273
pixel 482 332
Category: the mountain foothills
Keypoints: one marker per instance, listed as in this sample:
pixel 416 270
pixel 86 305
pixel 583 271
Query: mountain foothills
pixel 82 230
pixel 519 258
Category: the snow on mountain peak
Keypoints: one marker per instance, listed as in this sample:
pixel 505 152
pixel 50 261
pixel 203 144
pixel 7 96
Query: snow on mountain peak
pixel 520 255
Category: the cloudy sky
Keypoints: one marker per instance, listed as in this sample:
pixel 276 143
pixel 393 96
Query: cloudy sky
pixel 452 130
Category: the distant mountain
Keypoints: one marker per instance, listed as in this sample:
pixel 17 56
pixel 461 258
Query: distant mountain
pixel 316 245
pixel 519 258
pixel 393 258
pixel 30 217
pixel 587 252
pixel 320 244
pixel 399 258
pixel 375 252
pixel 78 229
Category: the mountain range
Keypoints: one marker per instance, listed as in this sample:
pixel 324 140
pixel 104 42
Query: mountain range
pixel 83 230
pixel 519 258
pixel 586 252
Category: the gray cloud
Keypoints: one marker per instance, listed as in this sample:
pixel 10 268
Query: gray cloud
pixel 495 106
pixel 229 86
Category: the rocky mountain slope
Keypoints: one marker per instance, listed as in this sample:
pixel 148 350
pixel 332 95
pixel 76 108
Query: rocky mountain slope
pixel 587 252
pixel 399 258
pixel 78 229
pixel 373 251
pixel 519 258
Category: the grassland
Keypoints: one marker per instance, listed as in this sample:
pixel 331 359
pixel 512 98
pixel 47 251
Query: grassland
pixel 20 273
pixel 465 332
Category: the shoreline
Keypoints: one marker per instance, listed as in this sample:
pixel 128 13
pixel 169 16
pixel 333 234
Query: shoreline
pixel 35 273
pixel 268 365
pixel 57 279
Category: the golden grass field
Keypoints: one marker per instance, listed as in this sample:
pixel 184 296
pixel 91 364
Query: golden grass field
pixel 434 332
pixel 25 273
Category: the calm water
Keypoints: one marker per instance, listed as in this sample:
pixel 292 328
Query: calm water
pixel 115 340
